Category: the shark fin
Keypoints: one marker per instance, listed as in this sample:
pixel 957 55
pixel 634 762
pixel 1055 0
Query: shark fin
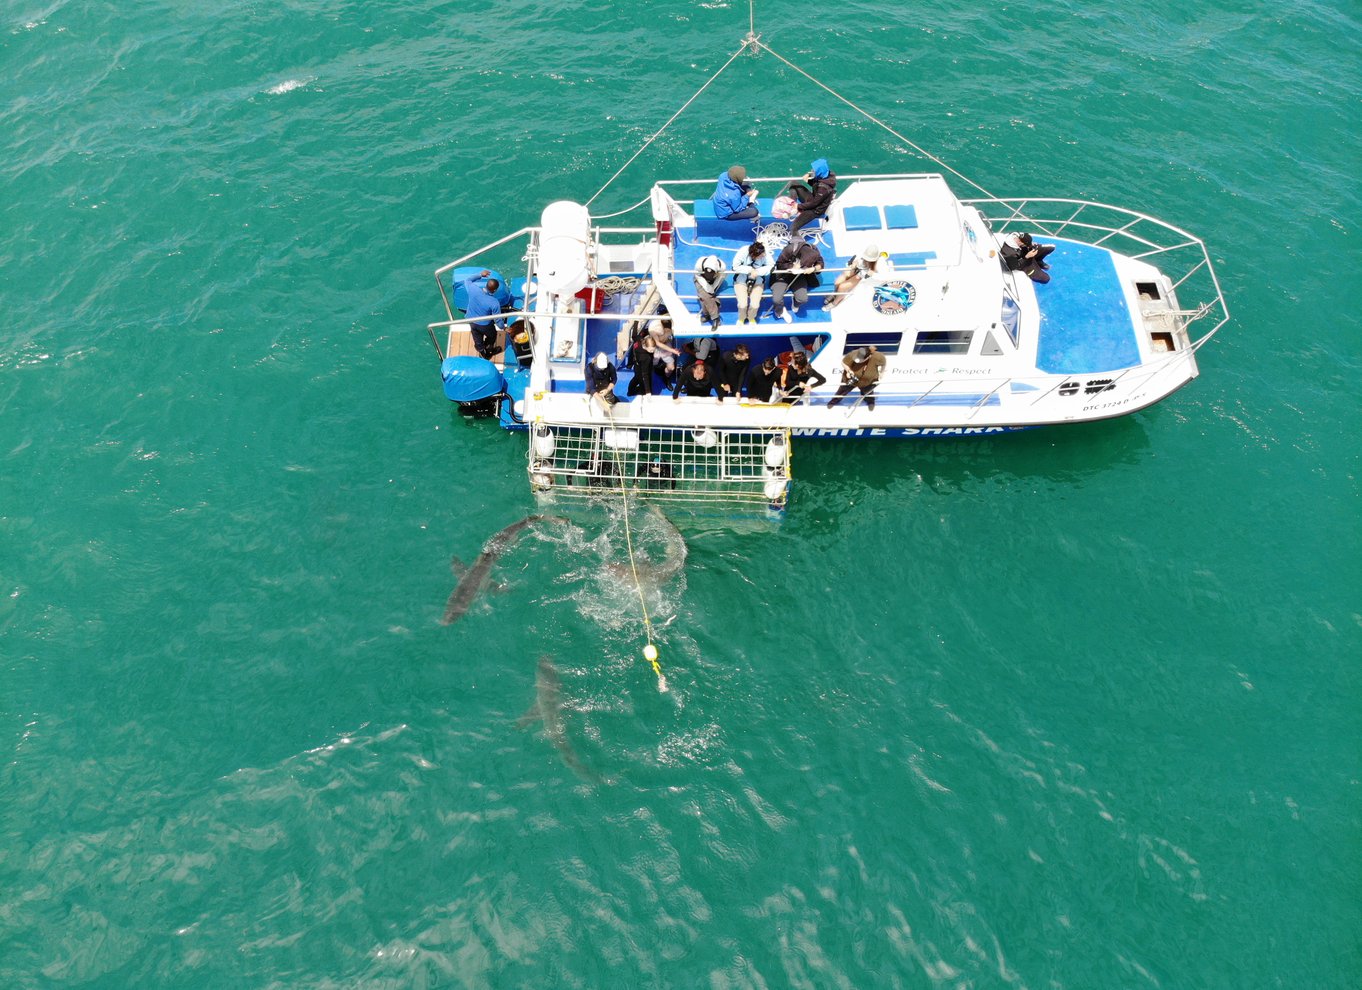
pixel 532 715
pixel 457 566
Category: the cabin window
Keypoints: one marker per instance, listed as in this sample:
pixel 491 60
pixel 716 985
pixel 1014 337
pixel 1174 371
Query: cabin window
pixel 888 343
pixel 943 342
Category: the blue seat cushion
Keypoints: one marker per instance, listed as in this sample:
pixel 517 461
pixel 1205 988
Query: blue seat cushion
pixel 900 217
pixel 862 218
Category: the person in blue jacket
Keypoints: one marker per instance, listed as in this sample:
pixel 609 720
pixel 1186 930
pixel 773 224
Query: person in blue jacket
pixel 482 301
pixel 733 196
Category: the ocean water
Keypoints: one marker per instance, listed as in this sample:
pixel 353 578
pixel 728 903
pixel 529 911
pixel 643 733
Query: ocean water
pixel 1075 708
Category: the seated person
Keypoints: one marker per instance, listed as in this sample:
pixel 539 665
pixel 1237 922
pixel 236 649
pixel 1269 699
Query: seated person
pixel 695 380
pixel 600 380
pixel 1022 254
pixel 796 271
pixel 751 265
pixel 664 347
pixel 734 198
pixel 709 282
pixel 869 262
pixel 814 194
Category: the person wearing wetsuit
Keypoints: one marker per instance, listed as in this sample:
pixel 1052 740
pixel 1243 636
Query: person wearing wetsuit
pixel 695 380
pixel 762 382
pixel 732 371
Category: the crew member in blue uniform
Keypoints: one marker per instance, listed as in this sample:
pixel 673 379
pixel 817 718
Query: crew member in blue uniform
pixel 483 302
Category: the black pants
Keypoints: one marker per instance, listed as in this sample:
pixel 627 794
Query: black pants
pixel 845 389
pixel 484 339
pixel 1035 267
pixel 801 193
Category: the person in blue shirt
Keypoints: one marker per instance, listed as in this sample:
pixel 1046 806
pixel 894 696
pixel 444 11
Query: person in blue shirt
pixel 733 196
pixel 482 301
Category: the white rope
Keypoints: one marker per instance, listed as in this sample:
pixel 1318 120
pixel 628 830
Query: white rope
pixel 611 216
pixel 873 119
pixel 668 123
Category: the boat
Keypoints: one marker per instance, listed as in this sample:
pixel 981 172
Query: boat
pixel 970 346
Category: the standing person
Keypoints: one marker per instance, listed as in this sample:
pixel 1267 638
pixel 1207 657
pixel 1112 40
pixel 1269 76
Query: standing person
pixel 762 382
pixel 814 194
pixel 664 348
pixel 695 380
pixel 796 271
pixel 709 282
pixel 868 262
pixel 482 301
pixel 732 371
pixel 751 265
pixel 798 378
pixel 734 198
pixel 600 381
pixel 642 382
pixel 860 369
pixel 1022 254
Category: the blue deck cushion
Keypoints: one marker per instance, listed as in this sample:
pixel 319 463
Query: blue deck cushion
pixel 915 259
pixel 900 217
pixel 708 225
pixel 862 218
pixel 1085 323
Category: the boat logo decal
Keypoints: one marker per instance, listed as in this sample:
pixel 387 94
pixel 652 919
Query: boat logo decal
pixel 893 297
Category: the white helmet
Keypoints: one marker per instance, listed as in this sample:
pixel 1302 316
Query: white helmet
pixel 710 263
pixel 602 360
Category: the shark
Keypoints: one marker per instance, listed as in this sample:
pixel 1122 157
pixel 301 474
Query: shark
pixel 473 579
pixel 548 708
pixel 656 574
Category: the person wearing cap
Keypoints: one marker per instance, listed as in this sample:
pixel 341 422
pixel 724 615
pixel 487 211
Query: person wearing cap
pixel 814 194
pixel 1022 254
pixel 734 196
pixel 709 282
pixel 869 262
pixel 482 301
pixel 600 380
pixel 860 369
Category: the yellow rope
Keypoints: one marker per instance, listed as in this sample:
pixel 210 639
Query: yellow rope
pixel 649 651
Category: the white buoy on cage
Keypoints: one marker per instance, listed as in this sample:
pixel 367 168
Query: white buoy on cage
pixel 775 452
pixel 775 489
pixel 706 437
pixel 544 443
pixel 620 439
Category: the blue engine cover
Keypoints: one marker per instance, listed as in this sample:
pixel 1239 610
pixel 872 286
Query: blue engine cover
pixel 468 379
pixel 458 276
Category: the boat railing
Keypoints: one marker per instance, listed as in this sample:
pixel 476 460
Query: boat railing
pixel 1182 256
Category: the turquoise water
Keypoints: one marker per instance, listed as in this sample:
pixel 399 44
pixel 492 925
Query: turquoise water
pixel 1069 709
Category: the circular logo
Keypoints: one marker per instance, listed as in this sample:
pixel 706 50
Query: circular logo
pixel 893 297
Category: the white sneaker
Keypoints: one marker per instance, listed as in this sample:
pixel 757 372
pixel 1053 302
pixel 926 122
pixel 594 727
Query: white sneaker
pixel 787 316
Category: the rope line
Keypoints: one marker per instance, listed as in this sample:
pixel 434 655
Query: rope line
pixel 873 119
pixel 668 123
pixel 649 651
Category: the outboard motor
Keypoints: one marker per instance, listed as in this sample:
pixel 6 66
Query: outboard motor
pixel 475 384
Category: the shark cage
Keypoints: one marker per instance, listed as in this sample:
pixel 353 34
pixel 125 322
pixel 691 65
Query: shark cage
pixel 723 468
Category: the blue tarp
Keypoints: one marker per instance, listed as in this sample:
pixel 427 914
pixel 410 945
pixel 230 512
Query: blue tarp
pixel 468 379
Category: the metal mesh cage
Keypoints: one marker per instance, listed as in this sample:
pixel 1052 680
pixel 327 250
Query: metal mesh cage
pixel 748 467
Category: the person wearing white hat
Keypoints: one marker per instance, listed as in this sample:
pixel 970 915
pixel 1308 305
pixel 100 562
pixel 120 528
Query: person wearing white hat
pixel 709 282
pixel 600 380
pixel 869 262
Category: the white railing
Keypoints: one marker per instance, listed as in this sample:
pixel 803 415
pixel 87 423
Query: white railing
pixel 1181 256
